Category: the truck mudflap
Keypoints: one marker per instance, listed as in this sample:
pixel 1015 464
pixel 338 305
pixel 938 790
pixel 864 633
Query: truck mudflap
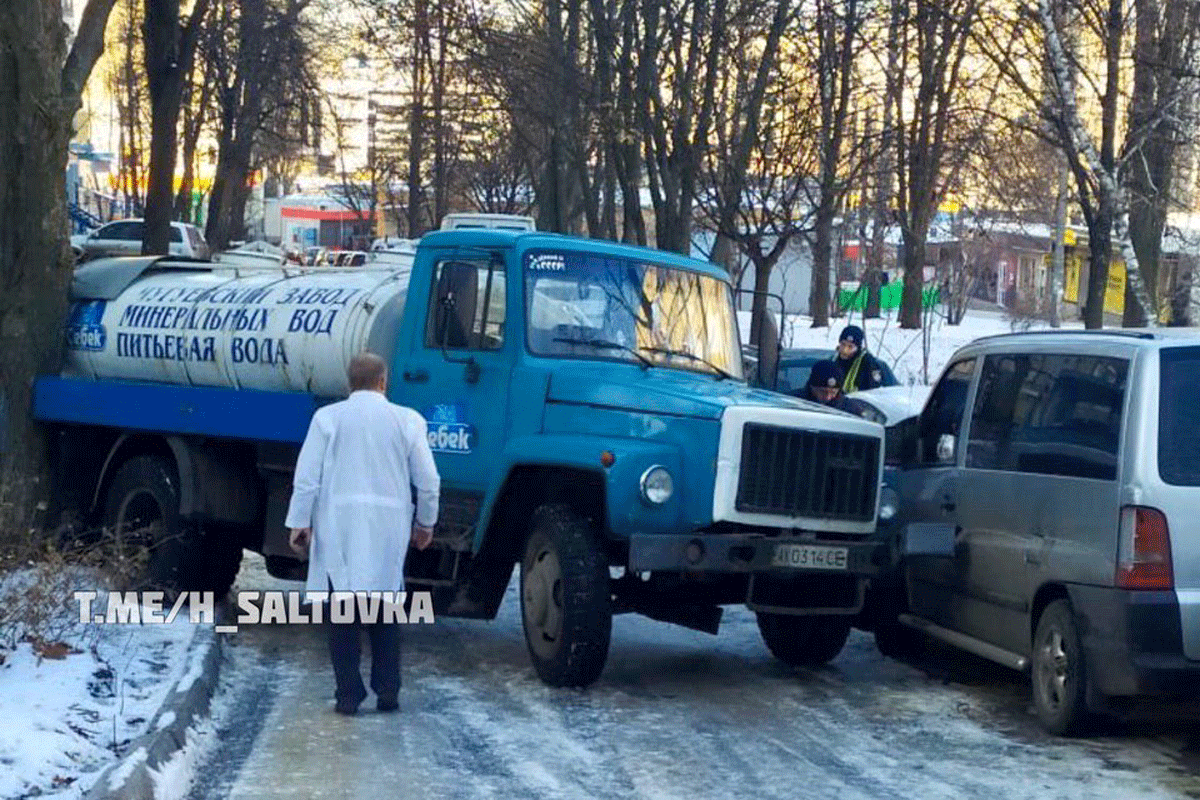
pixel 752 552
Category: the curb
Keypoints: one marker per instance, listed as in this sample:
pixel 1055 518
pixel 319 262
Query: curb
pixel 130 777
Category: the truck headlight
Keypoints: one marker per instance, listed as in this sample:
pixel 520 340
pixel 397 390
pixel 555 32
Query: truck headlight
pixel 889 503
pixel 657 485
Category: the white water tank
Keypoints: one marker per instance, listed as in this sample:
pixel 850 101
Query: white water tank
pixel 275 329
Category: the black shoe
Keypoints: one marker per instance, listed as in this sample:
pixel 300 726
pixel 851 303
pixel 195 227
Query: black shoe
pixel 386 704
pixel 348 707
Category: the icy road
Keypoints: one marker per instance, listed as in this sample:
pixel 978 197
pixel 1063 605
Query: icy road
pixel 676 714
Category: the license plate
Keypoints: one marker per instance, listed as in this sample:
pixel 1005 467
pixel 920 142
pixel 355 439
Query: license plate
pixel 810 556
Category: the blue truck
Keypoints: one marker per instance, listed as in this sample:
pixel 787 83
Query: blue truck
pixel 585 403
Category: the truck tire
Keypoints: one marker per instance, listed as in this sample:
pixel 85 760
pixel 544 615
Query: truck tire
pixel 141 515
pixel 566 602
pixel 222 562
pixel 804 641
pixel 896 640
pixel 1058 674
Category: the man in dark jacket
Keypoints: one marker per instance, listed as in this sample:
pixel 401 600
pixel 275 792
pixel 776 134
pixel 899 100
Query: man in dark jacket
pixel 859 368
pixel 825 387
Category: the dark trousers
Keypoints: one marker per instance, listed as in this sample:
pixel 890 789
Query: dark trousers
pixel 345 650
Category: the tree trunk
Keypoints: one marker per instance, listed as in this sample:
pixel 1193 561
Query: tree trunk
pixel 911 302
pixel 764 334
pixel 416 119
pixel 169 53
pixel 1054 277
pixel 39 95
pixel 818 298
pixel 160 188
pixel 1099 256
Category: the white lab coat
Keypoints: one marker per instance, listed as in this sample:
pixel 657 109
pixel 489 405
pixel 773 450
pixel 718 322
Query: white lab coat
pixel 352 487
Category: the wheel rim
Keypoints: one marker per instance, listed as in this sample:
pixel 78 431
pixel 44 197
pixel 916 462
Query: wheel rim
pixel 1054 669
pixel 542 606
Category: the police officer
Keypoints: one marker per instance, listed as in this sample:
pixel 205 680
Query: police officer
pixel 825 387
pixel 860 370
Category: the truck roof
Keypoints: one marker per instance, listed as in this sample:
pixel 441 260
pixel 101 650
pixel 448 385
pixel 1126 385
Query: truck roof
pixel 529 240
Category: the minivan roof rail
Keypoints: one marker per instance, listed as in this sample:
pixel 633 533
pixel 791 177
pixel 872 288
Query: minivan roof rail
pixel 1129 334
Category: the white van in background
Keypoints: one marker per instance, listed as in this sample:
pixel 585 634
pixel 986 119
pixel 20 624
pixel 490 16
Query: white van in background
pixel 504 222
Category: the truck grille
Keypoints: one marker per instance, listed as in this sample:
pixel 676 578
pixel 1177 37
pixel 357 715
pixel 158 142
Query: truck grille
pixel 801 473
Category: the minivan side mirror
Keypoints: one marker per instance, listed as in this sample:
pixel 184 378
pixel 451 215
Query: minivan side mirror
pixel 945 448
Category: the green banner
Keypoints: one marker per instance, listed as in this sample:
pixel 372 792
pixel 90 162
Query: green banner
pixel 889 297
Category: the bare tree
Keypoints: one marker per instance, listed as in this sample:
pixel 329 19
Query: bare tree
pixel 838 26
pixel 1166 45
pixel 938 122
pixel 170 46
pixel 41 83
pixel 259 57
pixel 1101 149
pixel 771 205
pixel 127 81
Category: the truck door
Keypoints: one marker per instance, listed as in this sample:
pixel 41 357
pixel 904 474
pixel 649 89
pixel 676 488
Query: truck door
pixel 457 372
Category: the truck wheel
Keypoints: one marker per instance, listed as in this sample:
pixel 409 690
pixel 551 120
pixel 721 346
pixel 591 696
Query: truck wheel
pixel 804 641
pixel 1058 675
pixel 141 514
pixel 896 640
pixel 566 602
pixel 223 562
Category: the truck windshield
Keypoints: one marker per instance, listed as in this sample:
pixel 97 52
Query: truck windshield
pixel 1178 434
pixel 593 306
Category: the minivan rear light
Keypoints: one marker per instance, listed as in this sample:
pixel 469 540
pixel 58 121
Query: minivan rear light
pixel 1144 550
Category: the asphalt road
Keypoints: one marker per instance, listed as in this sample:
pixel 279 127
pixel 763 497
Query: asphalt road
pixel 676 714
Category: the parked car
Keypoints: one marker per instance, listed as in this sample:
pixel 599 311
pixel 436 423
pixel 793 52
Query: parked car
pixel 124 238
pixel 796 363
pixel 889 405
pixel 1051 493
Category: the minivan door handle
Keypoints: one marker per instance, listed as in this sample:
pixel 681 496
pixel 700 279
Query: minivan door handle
pixel 416 375
pixel 948 504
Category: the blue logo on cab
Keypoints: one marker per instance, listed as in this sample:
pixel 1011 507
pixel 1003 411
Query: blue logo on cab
pixel 448 430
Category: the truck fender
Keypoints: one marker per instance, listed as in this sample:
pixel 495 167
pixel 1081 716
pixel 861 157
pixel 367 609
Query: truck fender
pixel 212 486
pixel 624 507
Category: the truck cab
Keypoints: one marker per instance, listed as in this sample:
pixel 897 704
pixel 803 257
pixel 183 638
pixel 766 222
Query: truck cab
pixel 592 427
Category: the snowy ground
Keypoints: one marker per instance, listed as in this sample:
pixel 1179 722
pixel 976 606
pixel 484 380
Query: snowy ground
pixel 903 350
pixel 70 705
pixel 676 714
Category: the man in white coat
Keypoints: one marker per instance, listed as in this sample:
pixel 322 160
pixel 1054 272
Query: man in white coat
pixel 352 507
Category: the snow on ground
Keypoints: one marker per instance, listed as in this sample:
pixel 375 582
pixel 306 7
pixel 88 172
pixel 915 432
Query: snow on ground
pixel 903 350
pixel 69 713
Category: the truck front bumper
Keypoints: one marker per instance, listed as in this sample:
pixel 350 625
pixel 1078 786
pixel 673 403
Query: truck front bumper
pixel 752 552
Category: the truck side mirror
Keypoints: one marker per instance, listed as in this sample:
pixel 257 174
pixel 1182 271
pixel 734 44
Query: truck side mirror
pixel 447 306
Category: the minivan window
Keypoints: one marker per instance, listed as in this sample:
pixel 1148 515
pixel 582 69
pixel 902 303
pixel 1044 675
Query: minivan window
pixel 943 413
pixel 1178 434
pixel 1049 414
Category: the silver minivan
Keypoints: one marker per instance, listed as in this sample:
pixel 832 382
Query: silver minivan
pixel 1050 493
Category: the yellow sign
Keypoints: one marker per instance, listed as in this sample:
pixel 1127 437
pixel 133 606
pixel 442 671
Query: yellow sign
pixel 1070 277
pixel 1070 239
pixel 1114 294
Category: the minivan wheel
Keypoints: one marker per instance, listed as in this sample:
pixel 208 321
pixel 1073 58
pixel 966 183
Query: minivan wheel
pixel 1058 674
